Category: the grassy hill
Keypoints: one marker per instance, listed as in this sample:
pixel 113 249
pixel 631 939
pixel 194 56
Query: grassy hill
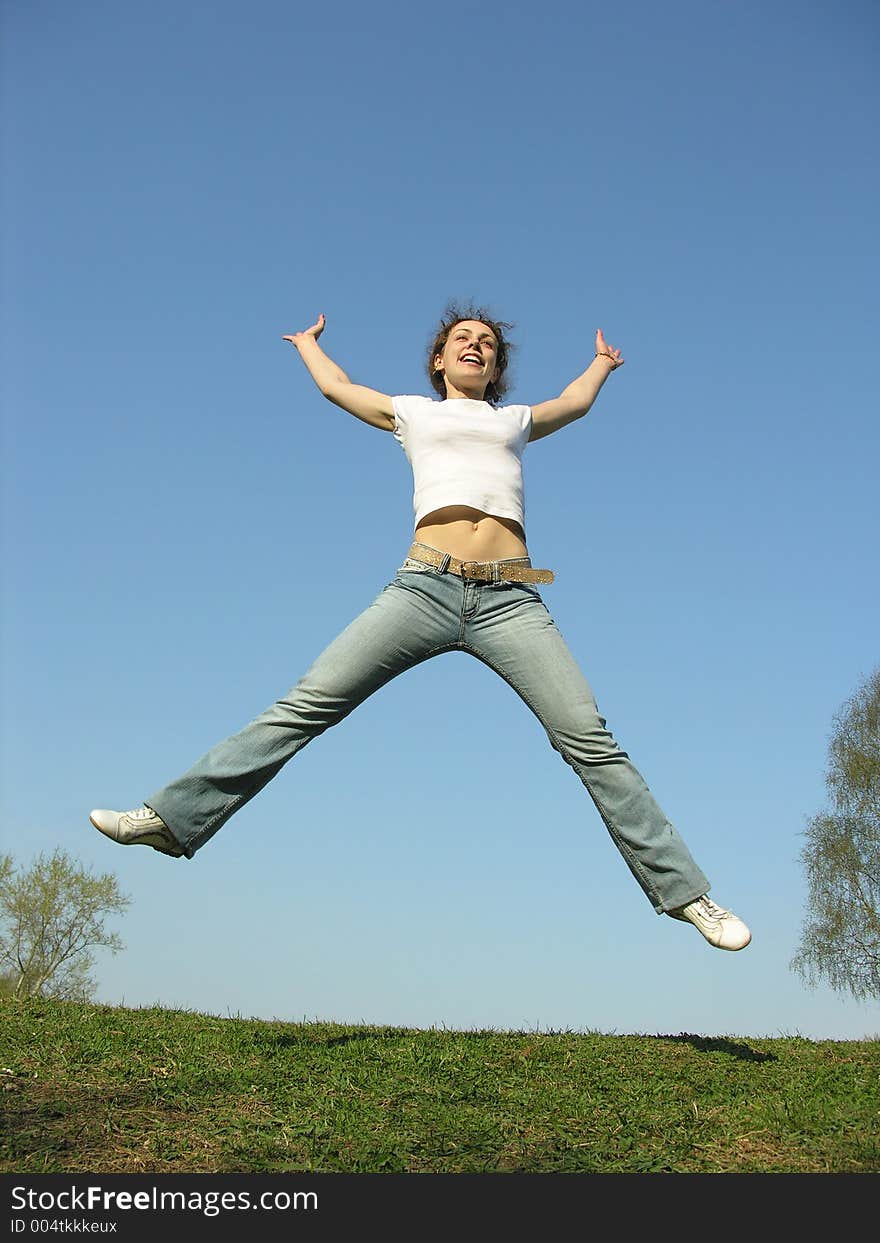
pixel 110 1090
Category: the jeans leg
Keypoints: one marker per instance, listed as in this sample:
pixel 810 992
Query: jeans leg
pixel 401 628
pixel 515 635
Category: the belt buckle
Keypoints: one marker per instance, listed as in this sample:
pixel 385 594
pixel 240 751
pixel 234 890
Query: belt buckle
pixel 468 570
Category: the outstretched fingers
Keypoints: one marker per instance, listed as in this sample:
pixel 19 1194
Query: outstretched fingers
pixel 602 347
pixel 315 331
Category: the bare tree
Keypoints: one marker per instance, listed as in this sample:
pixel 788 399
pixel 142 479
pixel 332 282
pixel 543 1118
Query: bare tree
pixel 51 919
pixel 840 939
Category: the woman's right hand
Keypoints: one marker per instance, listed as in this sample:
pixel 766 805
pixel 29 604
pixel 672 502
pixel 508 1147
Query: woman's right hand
pixel 315 331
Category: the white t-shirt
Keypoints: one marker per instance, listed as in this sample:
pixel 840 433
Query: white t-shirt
pixel 464 452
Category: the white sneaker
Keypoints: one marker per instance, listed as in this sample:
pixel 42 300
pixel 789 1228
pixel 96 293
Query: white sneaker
pixel 141 827
pixel 721 928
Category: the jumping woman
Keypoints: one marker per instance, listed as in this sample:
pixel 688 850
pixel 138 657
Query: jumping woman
pixel 467 584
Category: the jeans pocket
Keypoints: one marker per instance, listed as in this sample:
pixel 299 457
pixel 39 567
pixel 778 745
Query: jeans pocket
pixel 411 566
pixel 519 589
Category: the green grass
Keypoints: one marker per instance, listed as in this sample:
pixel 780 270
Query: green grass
pixel 101 1089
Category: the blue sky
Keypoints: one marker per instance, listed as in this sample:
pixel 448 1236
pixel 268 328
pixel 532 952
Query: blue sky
pixel 187 523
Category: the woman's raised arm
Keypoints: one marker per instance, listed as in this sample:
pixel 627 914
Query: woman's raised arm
pixel 575 400
pixel 364 403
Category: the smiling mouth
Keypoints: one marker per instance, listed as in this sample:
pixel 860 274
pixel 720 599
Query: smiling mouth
pixel 471 358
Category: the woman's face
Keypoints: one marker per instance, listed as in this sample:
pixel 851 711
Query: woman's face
pixel 469 358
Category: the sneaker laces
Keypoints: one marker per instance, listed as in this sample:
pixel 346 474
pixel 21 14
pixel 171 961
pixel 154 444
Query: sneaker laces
pixel 142 813
pixel 712 909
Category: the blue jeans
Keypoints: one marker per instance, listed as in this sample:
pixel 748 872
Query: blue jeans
pixel 420 614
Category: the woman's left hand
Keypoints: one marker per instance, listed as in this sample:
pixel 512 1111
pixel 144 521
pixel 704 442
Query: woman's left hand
pixel 608 351
pixel 315 331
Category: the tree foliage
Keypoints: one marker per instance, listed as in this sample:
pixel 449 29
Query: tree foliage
pixel 52 918
pixel 840 939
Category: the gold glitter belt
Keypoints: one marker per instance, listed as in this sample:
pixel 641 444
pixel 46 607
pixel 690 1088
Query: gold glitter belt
pixel 482 571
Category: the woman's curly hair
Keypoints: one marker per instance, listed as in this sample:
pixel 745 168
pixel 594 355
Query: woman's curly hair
pixel 456 313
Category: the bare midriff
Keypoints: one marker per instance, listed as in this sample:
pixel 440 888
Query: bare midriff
pixel 470 535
